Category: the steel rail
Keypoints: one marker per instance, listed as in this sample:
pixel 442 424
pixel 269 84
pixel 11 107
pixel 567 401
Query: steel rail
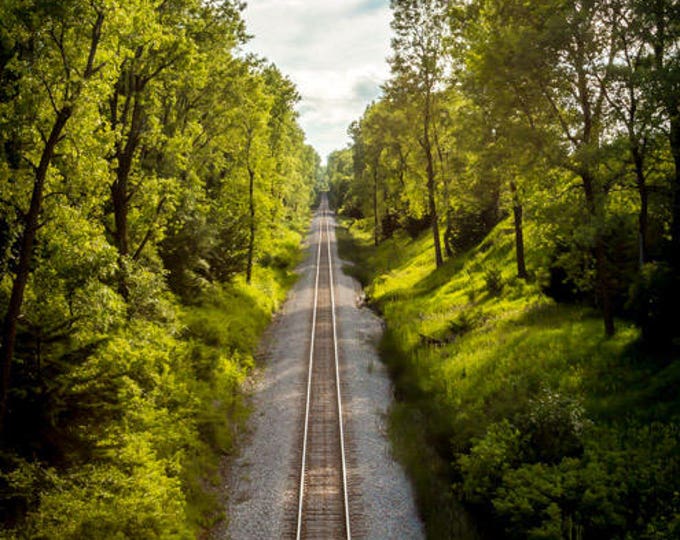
pixel 324 227
pixel 337 385
pixel 303 465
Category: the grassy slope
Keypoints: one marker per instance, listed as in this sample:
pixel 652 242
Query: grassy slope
pixel 175 407
pixel 226 326
pixel 465 360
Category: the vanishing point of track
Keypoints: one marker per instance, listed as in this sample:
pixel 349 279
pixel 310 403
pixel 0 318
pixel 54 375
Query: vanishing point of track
pixel 323 510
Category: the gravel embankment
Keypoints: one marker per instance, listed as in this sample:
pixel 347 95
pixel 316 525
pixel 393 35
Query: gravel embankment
pixel 260 485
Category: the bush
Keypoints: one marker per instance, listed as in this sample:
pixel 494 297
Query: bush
pixel 554 426
pixel 414 226
pixel 489 458
pixel 493 281
pixel 468 227
pixel 102 501
pixel 653 301
pixel 528 502
pixel 621 487
pixel 466 321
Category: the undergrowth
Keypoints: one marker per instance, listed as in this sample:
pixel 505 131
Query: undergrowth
pixel 515 413
pixel 161 402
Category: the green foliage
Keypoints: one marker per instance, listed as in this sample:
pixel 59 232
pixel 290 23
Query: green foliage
pixel 493 281
pixel 466 228
pixel 563 115
pixel 136 498
pixel 148 416
pixel 554 425
pixel 145 167
pixel 489 458
pixel 617 488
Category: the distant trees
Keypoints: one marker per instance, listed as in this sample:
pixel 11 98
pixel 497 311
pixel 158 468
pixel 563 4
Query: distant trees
pixel 563 114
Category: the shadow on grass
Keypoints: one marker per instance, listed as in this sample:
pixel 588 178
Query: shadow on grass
pixel 440 276
pixel 641 384
pixel 356 253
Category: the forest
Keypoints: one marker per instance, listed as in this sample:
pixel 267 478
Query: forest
pixel 512 205
pixel 154 188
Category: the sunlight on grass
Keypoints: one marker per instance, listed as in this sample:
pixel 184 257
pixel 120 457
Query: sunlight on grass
pixel 470 346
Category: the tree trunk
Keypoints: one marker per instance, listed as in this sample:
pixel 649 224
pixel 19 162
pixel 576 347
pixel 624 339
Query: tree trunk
pixel 449 226
pixel 447 196
pixel 643 215
pixel 9 327
pixel 433 213
pixel 431 186
pixel 602 284
pixel 518 213
pixel 251 239
pixel 675 225
pixel 376 220
pixel 119 197
pixel 120 194
pixel 602 277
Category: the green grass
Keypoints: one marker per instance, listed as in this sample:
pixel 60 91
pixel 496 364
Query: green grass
pixel 224 329
pixel 466 357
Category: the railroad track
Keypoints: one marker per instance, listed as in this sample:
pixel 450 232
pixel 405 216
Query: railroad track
pixel 323 510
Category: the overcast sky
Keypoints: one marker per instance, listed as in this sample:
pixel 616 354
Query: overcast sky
pixel 334 51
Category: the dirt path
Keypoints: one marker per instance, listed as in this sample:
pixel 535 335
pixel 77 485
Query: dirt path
pixel 262 484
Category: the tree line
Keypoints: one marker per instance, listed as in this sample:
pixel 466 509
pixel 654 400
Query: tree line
pixel 145 161
pixel 565 115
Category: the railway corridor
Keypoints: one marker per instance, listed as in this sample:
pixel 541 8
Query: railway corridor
pixel 323 501
pixel 317 463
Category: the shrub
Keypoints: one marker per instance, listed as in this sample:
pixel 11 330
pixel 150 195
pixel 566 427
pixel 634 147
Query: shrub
pixel 493 281
pixel 554 426
pixel 528 501
pixel 621 487
pixel 414 226
pixel 468 227
pixel 653 302
pixel 489 458
pixel 466 321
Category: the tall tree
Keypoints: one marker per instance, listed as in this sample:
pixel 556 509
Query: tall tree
pixel 418 69
pixel 562 56
pixel 60 58
pixel 634 108
pixel 658 25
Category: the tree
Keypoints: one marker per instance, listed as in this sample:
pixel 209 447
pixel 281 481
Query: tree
pixel 61 62
pixel 418 69
pixel 340 173
pixel 561 57
pixel 249 148
pixel 658 25
pixel 161 44
pixel 143 164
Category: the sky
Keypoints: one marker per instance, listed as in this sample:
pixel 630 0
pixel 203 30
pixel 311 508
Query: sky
pixel 333 50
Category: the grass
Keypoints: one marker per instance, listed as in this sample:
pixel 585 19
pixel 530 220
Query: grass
pixel 224 330
pixel 470 346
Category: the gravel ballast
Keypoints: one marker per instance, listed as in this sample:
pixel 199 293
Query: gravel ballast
pixel 260 485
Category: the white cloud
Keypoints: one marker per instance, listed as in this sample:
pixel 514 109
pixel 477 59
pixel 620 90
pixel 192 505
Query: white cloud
pixel 334 50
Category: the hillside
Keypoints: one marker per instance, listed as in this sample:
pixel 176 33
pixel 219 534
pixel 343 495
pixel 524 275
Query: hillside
pixel 515 406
